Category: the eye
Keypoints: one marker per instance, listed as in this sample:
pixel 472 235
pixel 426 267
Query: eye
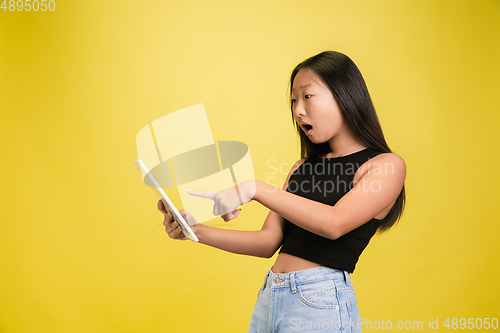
pixel 307 96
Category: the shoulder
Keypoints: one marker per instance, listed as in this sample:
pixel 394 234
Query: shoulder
pixel 297 164
pixel 294 167
pixel 385 164
pixel 389 158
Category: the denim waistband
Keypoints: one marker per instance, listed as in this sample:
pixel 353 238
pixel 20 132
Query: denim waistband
pixel 292 279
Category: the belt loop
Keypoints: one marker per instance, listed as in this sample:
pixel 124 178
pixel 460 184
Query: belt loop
pixel 347 278
pixel 292 282
pixel 267 277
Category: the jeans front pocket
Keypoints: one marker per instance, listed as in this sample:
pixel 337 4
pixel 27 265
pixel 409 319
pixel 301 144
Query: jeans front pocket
pixel 319 294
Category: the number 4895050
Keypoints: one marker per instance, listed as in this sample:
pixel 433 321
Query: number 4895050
pixel 28 5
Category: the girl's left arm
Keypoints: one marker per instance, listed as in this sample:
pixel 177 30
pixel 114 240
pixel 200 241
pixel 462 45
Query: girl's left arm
pixel 378 187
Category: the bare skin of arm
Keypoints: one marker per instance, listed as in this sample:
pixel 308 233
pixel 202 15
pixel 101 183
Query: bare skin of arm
pixel 378 184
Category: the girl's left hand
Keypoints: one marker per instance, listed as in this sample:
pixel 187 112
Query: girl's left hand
pixel 226 201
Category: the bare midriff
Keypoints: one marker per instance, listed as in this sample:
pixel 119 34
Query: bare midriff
pixel 286 263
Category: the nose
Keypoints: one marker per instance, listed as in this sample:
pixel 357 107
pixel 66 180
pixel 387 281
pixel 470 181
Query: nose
pixel 298 110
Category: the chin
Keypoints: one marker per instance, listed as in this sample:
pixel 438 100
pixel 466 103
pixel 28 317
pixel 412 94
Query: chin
pixel 317 141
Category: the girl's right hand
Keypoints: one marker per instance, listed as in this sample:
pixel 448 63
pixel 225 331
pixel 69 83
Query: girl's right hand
pixel 172 227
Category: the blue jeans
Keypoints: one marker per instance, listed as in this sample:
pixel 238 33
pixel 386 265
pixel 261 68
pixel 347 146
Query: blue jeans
pixel 319 299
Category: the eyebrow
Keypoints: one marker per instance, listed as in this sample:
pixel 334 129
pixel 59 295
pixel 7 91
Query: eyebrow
pixel 302 87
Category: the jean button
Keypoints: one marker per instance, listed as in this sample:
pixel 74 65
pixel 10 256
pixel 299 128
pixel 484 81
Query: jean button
pixel 278 280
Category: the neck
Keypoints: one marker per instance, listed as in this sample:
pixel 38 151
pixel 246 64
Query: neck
pixel 343 144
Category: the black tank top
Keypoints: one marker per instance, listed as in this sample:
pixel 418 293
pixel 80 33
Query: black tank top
pixel 326 180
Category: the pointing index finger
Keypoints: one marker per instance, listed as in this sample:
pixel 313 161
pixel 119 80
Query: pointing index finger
pixel 202 194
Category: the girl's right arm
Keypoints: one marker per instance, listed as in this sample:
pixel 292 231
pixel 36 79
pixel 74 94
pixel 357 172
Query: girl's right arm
pixel 260 243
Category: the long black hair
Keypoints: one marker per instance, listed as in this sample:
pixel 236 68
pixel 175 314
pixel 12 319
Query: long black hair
pixel 348 87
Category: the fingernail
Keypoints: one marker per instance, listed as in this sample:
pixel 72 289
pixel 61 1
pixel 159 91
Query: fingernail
pixel 188 191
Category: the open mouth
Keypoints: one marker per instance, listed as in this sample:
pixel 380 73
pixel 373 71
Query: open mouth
pixel 307 128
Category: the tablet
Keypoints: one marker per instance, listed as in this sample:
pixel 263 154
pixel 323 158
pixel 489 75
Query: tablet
pixel 167 202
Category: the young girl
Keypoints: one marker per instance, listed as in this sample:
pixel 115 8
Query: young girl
pixel 347 185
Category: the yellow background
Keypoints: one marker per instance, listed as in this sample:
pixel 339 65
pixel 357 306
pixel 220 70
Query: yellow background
pixel 82 248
